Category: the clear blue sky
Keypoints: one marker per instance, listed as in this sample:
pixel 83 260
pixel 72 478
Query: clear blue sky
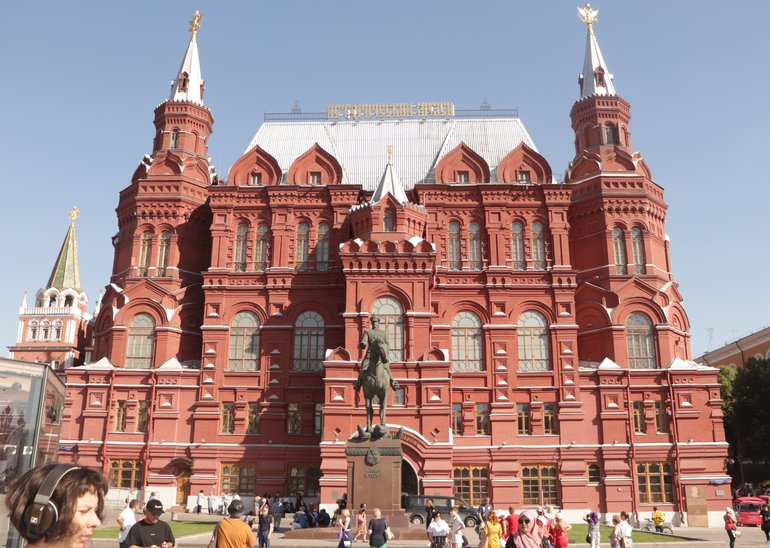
pixel 80 80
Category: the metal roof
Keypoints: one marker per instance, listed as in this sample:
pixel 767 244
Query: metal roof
pixel 418 144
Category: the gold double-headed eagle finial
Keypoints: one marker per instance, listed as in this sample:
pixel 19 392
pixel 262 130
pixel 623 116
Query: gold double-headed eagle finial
pixel 195 22
pixel 588 15
pixel 74 213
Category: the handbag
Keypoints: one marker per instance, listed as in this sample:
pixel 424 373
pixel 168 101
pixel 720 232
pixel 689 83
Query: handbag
pixel 213 541
pixel 588 539
pixel 389 534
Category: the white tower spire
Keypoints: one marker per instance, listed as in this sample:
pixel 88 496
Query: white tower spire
pixel 189 83
pixel 390 183
pixel 596 78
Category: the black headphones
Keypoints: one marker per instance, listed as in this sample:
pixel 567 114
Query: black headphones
pixel 42 513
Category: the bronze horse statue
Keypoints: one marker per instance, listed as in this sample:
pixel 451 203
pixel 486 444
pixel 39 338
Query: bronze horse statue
pixel 376 382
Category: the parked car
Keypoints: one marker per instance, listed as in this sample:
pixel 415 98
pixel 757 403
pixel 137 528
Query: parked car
pixel 414 506
pixel 747 510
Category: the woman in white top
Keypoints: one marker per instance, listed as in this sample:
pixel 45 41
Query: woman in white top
pixel 437 531
pixel 617 532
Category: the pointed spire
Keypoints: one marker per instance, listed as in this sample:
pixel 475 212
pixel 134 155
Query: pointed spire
pixel 390 183
pixel 66 271
pixel 596 78
pixel 189 82
pixel 24 301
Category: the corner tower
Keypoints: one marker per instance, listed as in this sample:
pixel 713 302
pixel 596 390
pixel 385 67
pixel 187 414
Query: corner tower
pixel 163 242
pixel 617 230
pixel 57 328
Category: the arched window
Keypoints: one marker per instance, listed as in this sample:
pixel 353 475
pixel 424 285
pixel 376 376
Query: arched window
pixel 69 300
pixel 517 246
pixel 308 342
pixel 145 250
pixel 322 248
pixel 244 342
pixel 637 247
pixel 300 262
pixel 474 246
pixel 388 221
pixel 640 341
pixel 466 343
pixel 52 301
pixel 533 342
pixel 538 246
pixel 453 246
pixel 391 315
pixel 619 250
pixel 163 248
pixel 141 342
pixel 260 250
pixel 33 331
pixel 57 330
pixel 609 134
pixel 241 247
pixel 45 330
pixel 174 139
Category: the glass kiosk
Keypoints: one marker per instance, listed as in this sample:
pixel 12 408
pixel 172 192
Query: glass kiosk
pixel 31 407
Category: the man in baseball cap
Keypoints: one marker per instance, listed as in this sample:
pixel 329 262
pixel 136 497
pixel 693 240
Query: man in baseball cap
pixel 150 532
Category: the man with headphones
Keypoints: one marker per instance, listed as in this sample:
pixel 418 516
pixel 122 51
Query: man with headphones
pixel 57 505
pixel 150 532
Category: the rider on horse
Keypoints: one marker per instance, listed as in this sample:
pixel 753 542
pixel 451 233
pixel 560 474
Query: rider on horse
pixel 377 341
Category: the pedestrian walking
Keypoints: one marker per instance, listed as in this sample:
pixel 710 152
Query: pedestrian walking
pixel 558 531
pixel 265 525
pixel 510 525
pixel 594 531
pixel 617 532
pixel 200 501
pixel 232 532
pixel 493 530
pixel 378 530
pixel 457 527
pixel 731 525
pixel 125 520
pixel 438 530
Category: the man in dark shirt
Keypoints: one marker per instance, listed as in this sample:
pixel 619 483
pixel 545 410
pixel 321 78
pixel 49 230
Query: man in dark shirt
pixel 150 532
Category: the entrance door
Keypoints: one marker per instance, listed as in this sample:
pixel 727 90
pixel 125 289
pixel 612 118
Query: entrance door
pixel 182 488
pixel 408 479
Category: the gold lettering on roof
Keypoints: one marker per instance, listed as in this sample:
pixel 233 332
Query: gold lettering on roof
pixel 435 109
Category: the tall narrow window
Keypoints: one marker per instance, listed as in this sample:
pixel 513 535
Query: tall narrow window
pixel 524 176
pixel 637 247
pixel 142 416
pixel 57 329
pixel 549 419
pixel 619 250
pixel 174 139
pixel 639 426
pixel 301 252
pixel 318 419
pixel 482 419
pixel 474 246
pixel 661 424
pixel 457 419
pixel 399 396
pixel 227 425
pixel 517 246
pixel 594 473
pixel 163 249
pixel 260 249
pixel 141 342
pixel 466 343
pixel 241 247
pixel 533 342
pixel 609 134
pixel 255 178
pixel 523 419
pixel 293 418
pixel 145 250
pixel 33 331
pixel 68 301
pixel 391 316
pixel 45 330
pixel 388 221
pixel 640 341
pixel 308 342
pixel 453 246
pixel 538 246
pixel 244 342
pixel 255 419
pixel 121 409
pixel 322 248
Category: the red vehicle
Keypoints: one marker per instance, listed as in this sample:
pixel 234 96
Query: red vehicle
pixel 747 510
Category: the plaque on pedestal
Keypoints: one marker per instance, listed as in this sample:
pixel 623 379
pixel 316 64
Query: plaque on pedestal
pixel 374 475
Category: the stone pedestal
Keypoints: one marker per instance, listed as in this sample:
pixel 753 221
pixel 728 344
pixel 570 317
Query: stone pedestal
pixel 374 477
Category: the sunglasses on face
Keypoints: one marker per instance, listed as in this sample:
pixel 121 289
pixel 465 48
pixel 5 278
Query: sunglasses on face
pixel 523 521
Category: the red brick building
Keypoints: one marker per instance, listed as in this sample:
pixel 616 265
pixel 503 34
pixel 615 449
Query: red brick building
pixel 535 326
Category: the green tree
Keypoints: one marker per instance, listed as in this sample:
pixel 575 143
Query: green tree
pixel 746 408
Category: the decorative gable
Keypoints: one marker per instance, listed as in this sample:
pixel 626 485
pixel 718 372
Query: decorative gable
pixel 315 167
pixel 255 168
pixel 462 165
pixel 524 165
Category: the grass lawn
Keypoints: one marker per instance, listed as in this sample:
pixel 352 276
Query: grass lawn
pixel 577 535
pixel 180 529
